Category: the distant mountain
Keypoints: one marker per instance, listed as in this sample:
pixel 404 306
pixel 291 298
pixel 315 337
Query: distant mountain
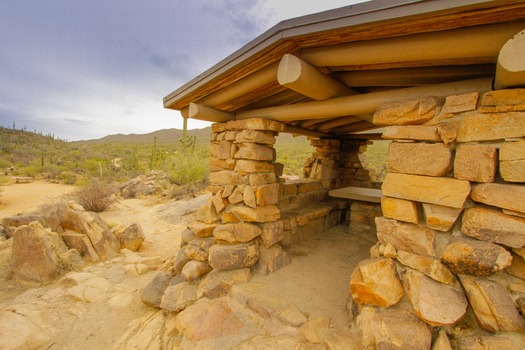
pixel 164 135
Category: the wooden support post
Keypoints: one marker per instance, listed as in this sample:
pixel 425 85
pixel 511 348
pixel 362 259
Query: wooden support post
pixel 510 71
pixel 300 76
pixel 363 105
pixel 201 112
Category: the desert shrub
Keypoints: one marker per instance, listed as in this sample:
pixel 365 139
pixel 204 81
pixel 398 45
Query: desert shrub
pixel 377 158
pixel 95 196
pixel 187 190
pixel 188 168
pixel 67 177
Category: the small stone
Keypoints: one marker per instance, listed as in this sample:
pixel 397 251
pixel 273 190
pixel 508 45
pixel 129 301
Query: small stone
pixel 476 163
pixel 375 282
pixel 435 303
pixel 194 270
pixel 476 258
pixel 151 295
pixel 218 283
pixel 434 190
pixel 430 159
pixel 292 316
pixel 448 131
pixel 233 257
pixel 316 330
pixel 431 267
pixel 441 342
pixel 439 217
pixel 207 214
pixel 81 243
pixel 404 236
pixel 178 297
pixel 132 237
pixel 406 112
pixel 248 196
pixel 494 226
pixel 493 306
pixel 219 202
pixel 460 103
pixel 400 209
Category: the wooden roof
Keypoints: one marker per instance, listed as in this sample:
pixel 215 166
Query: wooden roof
pixel 322 73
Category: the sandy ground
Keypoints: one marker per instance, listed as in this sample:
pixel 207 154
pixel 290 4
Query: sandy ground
pixel 316 281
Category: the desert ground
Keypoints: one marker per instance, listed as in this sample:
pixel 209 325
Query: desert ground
pixel 316 281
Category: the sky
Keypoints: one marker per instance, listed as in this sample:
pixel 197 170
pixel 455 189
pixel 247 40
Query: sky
pixel 86 69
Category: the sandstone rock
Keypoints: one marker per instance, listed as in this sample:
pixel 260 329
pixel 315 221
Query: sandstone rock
pixel 435 303
pixel 236 197
pixel 408 237
pixel 81 243
pixel 412 132
pixel 219 202
pixel 233 257
pixel 239 213
pixel 132 237
pixel 221 149
pixel 259 179
pixel 441 342
pixel 477 258
pixel 179 296
pixel 461 103
pixel 406 112
pixel 248 197
pixel 255 124
pixel 292 316
pixel 253 166
pixel 208 320
pixel 272 233
pixel 375 282
pixel 271 259
pixel 19 332
pixel 37 255
pixel 500 195
pixel 430 159
pixel 507 341
pixel 90 290
pixel 431 267
pixel 145 185
pixel 194 270
pixel 494 226
pixel 448 131
pixel 400 209
pixel 316 330
pixel 226 177
pixel 506 97
pixel 267 194
pixel 10 223
pixel 218 283
pixel 439 217
pixel 237 233
pixel 255 151
pixel 207 214
pixel 512 161
pixel 476 163
pixel 201 229
pixel 434 190
pixel 493 306
pixel 477 126
pixel 151 295
pixel 263 137
pixel 517 268
pixel 392 329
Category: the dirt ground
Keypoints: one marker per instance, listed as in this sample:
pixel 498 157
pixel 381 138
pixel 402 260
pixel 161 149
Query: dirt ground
pixel 316 281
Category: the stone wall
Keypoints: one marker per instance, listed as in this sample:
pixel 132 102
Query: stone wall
pixel 451 241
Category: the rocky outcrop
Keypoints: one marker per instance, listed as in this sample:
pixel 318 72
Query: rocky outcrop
pixel 145 185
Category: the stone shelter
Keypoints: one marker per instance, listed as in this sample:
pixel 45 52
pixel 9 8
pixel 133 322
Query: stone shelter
pixel 445 82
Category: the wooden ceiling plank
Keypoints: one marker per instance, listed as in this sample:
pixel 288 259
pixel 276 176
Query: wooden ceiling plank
pixel 510 71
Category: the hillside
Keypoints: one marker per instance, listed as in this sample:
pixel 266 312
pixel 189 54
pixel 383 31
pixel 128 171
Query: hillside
pixel 163 136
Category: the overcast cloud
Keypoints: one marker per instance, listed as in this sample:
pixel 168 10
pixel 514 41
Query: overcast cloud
pixel 86 69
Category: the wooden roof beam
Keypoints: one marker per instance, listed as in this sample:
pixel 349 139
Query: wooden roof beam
pixel 338 122
pixel 510 71
pixel 201 112
pixel 300 76
pixel 458 44
pixel 363 105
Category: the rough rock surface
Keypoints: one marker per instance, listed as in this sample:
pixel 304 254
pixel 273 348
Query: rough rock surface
pixel 500 195
pixel 233 257
pixel 132 237
pixel 145 185
pixel 439 217
pixel 404 236
pixel 431 267
pixel 430 159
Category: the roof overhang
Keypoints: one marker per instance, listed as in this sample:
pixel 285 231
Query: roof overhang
pixel 306 71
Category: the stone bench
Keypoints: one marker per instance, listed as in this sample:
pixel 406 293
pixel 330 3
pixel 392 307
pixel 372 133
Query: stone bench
pixel 22 179
pixel 358 194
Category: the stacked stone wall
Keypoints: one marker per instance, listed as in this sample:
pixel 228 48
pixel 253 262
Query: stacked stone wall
pixel 452 235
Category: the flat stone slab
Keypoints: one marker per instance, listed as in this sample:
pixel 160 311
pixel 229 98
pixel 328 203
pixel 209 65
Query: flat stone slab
pixel 358 194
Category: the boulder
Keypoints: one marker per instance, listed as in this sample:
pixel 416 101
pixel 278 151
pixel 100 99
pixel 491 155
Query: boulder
pixel 392 329
pixel 375 282
pixel 145 185
pixel 409 112
pixel 151 295
pixel 493 306
pixel 179 296
pixel 500 195
pixel 37 255
pixel 400 209
pixel 132 237
pixel 435 303
pixel 476 258
pixel 10 223
pixel 440 218
pixel 81 243
pixel 237 233
pixel 430 159
pixel 218 283
pixel 404 236
pixel 476 163
pixel 493 226
pixel 431 267
pixel 434 190
pixel 194 270
pixel 233 257
pixel 208 320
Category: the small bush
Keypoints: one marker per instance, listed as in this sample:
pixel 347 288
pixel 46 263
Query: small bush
pixel 96 196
